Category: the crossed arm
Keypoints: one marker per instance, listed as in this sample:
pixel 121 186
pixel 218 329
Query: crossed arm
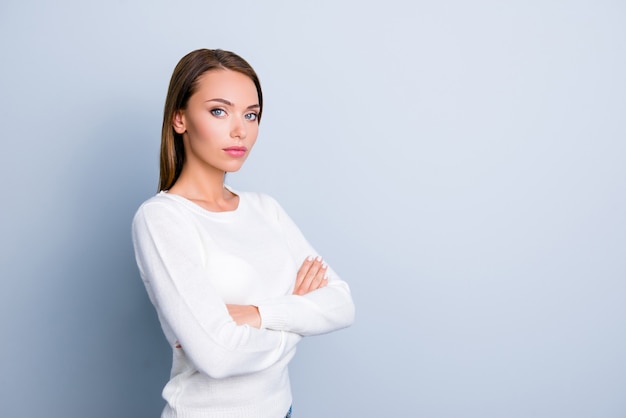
pixel 311 276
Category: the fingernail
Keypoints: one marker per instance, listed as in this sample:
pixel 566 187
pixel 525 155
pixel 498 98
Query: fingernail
pixel 324 265
pixel 310 258
pixel 319 258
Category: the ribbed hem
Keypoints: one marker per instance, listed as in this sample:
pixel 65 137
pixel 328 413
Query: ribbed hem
pixel 272 407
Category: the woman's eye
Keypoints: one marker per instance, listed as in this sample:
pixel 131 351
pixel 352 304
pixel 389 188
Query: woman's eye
pixel 251 116
pixel 217 112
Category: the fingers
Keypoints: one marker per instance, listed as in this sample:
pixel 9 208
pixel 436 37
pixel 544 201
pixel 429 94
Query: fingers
pixel 311 276
pixel 302 272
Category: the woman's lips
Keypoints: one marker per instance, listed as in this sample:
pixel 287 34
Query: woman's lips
pixel 236 151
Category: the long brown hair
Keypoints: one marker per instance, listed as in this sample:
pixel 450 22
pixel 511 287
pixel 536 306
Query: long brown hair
pixel 183 84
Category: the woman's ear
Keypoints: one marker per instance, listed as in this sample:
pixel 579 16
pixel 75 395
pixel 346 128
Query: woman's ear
pixel 178 122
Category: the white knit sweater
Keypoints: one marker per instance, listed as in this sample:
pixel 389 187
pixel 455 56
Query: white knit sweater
pixel 193 262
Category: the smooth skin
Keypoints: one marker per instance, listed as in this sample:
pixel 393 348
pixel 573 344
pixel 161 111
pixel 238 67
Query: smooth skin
pixel 223 113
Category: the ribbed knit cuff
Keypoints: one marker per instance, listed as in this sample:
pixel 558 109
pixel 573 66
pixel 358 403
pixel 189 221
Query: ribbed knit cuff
pixel 274 315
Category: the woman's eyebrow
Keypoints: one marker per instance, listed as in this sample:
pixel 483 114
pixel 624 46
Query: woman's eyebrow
pixel 229 103
pixel 226 102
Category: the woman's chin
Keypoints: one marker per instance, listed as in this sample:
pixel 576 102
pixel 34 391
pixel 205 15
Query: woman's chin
pixel 232 169
pixel 234 166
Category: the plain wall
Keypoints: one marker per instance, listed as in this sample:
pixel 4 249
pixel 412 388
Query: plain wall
pixel 460 164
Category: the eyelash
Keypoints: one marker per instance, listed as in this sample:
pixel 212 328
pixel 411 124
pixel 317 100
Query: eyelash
pixel 248 116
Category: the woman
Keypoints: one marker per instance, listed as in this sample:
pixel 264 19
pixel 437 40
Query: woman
pixel 234 282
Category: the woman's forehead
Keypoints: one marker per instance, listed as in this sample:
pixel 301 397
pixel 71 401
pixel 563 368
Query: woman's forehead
pixel 225 83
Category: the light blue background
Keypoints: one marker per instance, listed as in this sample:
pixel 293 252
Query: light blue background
pixel 461 164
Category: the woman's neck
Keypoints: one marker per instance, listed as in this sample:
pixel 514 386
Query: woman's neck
pixel 205 189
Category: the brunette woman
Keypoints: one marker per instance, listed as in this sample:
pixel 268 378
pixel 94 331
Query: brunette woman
pixel 235 284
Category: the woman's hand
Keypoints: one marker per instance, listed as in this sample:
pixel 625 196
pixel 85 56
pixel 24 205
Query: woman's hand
pixel 245 314
pixel 311 276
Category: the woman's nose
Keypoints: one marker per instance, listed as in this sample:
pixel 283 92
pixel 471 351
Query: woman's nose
pixel 238 129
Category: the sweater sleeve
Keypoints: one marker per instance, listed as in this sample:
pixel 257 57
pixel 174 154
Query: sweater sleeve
pixel 324 310
pixel 170 256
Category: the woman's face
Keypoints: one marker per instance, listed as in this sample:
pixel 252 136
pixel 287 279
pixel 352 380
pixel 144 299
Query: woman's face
pixel 220 123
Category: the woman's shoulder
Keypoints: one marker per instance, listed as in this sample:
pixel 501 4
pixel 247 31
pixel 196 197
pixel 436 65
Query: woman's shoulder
pixel 260 199
pixel 159 199
pixel 257 197
pixel 160 204
pixel 261 202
